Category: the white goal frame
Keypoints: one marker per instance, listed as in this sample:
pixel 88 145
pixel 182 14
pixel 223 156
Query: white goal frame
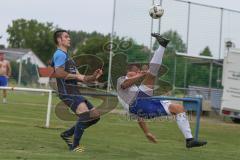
pixel 49 105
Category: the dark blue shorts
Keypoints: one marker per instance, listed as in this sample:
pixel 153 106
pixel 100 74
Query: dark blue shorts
pixel 3 81
pixel 146 107
pixel 73 101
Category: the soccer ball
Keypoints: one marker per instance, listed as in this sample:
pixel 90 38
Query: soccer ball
pixel 156 11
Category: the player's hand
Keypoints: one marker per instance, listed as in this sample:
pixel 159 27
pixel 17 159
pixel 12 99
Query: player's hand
pixel 98 73
pixel 151 138
pixel 80 77
pixel 143 72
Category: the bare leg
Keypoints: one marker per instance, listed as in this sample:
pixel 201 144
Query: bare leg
pixel 85 114
pixel 4 96
pixel 176 109
pixel 156 61
pixel 82 107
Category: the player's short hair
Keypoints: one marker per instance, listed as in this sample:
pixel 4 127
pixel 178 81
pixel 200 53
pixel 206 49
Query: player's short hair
pixel 57 34
pixel 133 67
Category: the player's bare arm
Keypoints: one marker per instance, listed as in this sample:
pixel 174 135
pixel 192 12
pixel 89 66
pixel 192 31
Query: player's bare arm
pixel 93 77
pixel 61 73
pixel 9 69
pixel 132 80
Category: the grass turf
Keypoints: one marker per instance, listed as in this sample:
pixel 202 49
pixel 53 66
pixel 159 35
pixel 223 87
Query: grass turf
pixel 114 137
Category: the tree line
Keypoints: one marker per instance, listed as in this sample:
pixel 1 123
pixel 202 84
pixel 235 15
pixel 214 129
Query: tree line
pixel 38 37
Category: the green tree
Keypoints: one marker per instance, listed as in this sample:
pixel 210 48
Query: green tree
pixel 176 45
pixel 98 44
pixel 33 35
pixel 206 52
pixel 78 38
pixel 93 45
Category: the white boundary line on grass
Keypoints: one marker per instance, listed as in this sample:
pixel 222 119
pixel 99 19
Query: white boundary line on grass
pixel 49 105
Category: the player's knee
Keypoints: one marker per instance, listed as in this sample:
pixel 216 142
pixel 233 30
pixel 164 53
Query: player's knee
pixel 180 109
pixel 96 120
pixel 96 115
pixel 82 108
pixel 176 109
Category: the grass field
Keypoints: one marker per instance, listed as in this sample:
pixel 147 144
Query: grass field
pixel 115 137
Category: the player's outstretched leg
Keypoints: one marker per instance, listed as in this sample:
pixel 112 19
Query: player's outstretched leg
pixel 184 126
pixel 194 143
pixel 161 40
pixel 156 61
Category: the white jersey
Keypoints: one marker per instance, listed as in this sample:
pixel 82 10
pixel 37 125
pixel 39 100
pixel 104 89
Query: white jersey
pixel 126 96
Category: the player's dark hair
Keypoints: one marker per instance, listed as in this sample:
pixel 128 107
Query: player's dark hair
pixel 58 34
pixel 132 67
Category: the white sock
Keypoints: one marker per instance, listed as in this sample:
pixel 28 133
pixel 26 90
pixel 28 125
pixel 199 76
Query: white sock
pixel 184 125
pixel 157 56
pixel 156 60
pixel 4 100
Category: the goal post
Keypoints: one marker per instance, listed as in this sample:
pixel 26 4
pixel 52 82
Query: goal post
pixel 49 104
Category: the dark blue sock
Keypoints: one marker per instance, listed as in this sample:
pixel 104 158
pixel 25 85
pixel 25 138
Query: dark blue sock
pixel 78 132
pixel 79 129
pixel 90 123
pixel 69 132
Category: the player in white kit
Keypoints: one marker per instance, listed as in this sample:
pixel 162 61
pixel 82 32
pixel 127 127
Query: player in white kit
pixel 137 99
